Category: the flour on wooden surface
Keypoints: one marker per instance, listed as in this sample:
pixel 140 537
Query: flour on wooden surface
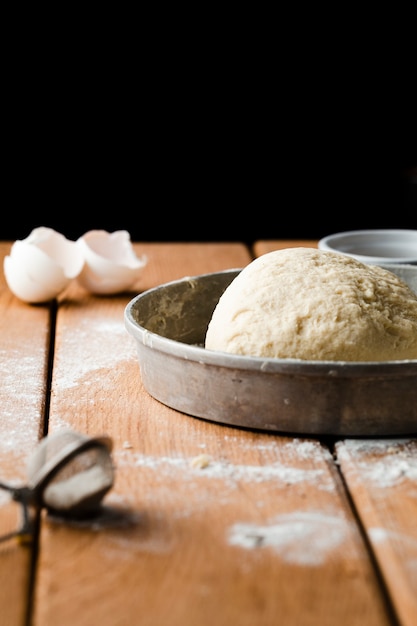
pixel 95 346
pixel 283 472
pixel 15 372
pixel 21 400
pixel 301 537
pixel 406 543
pixel 379 535
pixel 385 462
pixel 224 469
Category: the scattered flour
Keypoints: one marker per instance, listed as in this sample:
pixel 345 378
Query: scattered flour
pixel 108 344
pixel 404 544
pixel 379 535
pixel 21 398
pixel 14 370
pixel 304 538
pixel 385 462
pixel 279 472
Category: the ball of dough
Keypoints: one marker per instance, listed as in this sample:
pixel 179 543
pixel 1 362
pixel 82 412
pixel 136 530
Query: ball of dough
pixel 313 304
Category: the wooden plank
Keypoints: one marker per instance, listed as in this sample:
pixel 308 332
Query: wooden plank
pixel 171 261
pixel 268 245
pixel 24 350
pixel 382 477
pixel 216 524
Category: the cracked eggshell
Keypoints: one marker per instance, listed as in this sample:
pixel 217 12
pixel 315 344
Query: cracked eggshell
pixel 111 265
pixel 41 266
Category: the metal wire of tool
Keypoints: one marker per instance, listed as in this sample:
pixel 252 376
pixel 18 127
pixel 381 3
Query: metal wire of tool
pixel 68 474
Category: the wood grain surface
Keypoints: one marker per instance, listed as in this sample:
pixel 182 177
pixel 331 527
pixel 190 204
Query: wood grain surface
pixel 24 353
pixel 206 523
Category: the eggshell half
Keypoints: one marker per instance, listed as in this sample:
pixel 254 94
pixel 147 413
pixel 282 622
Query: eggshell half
pixel 41 266
pixel 111 265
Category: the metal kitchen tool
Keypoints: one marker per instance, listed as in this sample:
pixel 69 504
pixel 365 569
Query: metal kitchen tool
pixel 68 473
pixel 169 324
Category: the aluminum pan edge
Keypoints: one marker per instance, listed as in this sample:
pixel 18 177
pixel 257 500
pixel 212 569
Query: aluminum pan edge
pixel 287 395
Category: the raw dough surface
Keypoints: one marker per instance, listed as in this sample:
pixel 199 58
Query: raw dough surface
pixel 316 305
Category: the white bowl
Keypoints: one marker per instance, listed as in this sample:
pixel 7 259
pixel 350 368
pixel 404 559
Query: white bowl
pixel 374 246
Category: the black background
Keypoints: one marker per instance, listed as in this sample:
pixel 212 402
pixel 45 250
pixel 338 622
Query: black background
pixel 227 195
pixel 261 201
pixel 195 147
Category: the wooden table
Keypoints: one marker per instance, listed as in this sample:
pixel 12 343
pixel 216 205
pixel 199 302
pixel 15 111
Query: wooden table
pixel 269 530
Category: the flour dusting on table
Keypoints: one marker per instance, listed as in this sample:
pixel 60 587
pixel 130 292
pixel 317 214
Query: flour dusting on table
pixel 21 399
pixel 304 537
pixel 106 344
pixel 221 469
pixel 385 462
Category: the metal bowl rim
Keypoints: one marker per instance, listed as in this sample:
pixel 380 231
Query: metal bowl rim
pixel 243 362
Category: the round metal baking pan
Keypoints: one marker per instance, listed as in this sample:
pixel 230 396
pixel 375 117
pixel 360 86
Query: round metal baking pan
pixel 169 324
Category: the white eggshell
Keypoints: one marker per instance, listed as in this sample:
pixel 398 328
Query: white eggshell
pixel 41 266
pixel 111 265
